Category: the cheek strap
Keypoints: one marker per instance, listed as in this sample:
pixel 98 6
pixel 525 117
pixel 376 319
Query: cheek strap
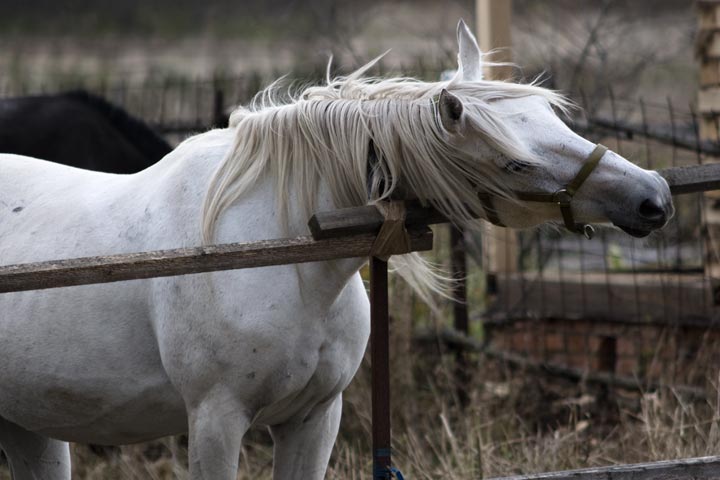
pixel 563 197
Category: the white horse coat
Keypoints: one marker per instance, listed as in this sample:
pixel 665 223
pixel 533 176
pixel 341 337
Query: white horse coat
pixel 217 353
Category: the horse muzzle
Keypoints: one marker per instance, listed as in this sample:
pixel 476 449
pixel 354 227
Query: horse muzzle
pixel 651 212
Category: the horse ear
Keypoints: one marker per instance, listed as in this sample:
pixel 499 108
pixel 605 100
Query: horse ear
pixel 450 108
pixel 469 53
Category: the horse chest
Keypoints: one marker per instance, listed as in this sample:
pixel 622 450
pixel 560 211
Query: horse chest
pixel 280 350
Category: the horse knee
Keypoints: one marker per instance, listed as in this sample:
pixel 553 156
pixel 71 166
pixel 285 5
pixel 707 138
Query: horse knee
pixel 217 426
pixel 303 446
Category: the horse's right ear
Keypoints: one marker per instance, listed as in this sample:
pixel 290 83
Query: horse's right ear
pixel 469 54
pixel 450 109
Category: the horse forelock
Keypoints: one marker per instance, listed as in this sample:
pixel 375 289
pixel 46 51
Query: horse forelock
pixel 322 134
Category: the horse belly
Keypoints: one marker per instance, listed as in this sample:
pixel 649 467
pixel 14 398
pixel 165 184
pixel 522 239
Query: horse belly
pixel 82 364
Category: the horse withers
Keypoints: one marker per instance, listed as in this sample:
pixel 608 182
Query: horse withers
pixel 216 354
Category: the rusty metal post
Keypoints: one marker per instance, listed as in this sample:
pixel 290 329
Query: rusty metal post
pixel 459 272
pixel 458 262
pixel 380 358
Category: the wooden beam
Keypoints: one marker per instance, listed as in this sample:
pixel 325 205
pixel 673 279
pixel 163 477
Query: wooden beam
pixel 183 261
pixel 494 18
pixel 494 33
pixel 684 469
pixel 709 100
pixel 692 179
pixel 366 219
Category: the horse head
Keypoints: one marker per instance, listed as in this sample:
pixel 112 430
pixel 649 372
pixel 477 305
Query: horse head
pixel 537 162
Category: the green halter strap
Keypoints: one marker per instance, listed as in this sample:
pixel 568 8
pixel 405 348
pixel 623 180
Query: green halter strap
pixel 562 197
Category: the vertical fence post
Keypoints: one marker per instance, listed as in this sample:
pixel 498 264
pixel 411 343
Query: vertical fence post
pixel 493 31
pixel 219 120
pixel 380 366
pixel 458 263
pixel 500 245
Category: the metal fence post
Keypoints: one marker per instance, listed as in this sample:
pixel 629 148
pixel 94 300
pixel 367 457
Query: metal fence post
pixel 380 358
pixel 458 261
pixel 219 118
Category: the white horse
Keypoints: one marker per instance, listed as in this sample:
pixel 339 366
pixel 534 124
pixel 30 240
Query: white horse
pixel 216 354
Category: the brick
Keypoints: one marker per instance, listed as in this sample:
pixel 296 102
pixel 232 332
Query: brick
pixel 519 342
pixel 555 342
pixel 626 347
pixel 656 370
pixel 558 359
pixel 577 344
pixel 626 366
pixel 578 360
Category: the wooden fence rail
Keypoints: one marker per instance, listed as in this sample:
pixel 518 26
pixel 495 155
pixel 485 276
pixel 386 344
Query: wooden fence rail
pixel 704 468
pixel 183 261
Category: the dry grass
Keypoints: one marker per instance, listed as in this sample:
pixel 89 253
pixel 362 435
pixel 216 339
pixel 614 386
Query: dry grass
pixel 513 423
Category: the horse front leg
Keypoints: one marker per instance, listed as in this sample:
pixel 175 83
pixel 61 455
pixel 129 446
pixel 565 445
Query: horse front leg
pixel 303 446
pixel 33 456
pixel 217 426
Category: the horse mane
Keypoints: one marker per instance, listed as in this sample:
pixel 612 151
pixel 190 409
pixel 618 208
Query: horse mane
pixel 323 134
pixel 136 132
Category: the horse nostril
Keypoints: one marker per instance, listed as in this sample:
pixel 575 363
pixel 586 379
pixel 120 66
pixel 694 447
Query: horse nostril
pixel 650 210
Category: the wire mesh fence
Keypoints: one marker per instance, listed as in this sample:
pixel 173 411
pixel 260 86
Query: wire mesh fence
pixel 661 278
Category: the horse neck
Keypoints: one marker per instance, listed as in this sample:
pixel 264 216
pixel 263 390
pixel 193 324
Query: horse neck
pixel 254 216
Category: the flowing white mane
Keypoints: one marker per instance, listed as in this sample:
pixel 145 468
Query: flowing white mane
pixel 324 134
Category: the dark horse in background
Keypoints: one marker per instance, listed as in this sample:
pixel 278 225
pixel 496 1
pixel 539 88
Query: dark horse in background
pixel 78 129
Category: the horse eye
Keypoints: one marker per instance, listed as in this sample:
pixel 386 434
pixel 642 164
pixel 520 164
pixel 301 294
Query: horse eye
pixel 517 166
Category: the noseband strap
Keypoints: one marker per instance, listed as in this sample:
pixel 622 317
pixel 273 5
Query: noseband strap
pixel 562 197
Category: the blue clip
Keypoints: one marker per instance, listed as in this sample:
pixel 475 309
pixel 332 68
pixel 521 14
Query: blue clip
pixel 396 473
pixel 387 473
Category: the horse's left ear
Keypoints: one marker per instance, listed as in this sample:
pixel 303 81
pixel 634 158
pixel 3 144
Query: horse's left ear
pixel 450 109
pixel 469 54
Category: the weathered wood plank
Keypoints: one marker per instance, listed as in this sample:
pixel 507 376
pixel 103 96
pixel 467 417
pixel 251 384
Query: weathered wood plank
pixel 709 100
pixel 692 179
pixel 704 468
pixel 367 219
pixel 183 261
pixel 711 47
pixel 710 73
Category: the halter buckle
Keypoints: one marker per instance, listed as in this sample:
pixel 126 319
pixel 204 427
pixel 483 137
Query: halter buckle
pixel 562 197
